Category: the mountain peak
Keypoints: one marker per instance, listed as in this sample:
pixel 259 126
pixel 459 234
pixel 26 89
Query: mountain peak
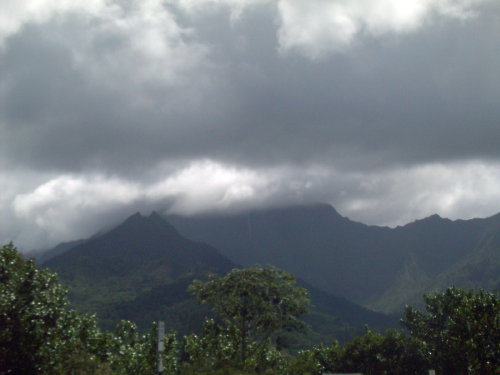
pixel 137 217
pixel 155 216
pixel 434 217
pixel 146 243
pixel 326 209
pixel 140 218
pixel 429 220
pixel 145 225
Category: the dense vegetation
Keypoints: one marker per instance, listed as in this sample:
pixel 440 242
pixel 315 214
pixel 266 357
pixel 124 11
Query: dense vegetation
pixel 458 333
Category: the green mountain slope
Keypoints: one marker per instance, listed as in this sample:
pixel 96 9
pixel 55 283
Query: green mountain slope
pixel 130 260
pixel 140 271
pixel 479 267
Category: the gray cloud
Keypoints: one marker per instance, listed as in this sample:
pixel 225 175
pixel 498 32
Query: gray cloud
pixel 223 105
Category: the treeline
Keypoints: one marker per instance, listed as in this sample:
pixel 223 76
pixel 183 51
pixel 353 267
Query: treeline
pixel 458 333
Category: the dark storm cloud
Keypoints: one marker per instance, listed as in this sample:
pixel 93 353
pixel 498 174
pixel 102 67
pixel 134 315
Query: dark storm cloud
pixel 196 106
pixel 407 99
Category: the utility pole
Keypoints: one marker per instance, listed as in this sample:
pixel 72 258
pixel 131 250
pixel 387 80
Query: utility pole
pixel 161 346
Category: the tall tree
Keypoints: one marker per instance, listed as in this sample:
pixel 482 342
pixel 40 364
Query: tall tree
pixel 39 334
pixel 460 329
pixel 254 302
pixel 33 315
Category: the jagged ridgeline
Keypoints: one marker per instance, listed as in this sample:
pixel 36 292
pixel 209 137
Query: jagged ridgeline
pixel 378 267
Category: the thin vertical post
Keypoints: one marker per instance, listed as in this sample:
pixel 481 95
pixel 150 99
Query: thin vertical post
pixel 161 346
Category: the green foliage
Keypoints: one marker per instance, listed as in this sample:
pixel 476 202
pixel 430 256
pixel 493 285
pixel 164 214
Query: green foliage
pixel 316 360
pixel 390 353
pixel 132 352
pixel 254 303
pixel 373 353
pixel 39 333
pixel 213 348
pixel 216 349
pixel 458 334
pixel 460 330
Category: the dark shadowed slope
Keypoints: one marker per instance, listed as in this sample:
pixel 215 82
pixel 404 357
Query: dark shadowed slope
pixel 314 242
pixel 141 253
pixel 376 266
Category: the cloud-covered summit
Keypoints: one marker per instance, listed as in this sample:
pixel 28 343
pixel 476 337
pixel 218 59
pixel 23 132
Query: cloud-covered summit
pixel 386 109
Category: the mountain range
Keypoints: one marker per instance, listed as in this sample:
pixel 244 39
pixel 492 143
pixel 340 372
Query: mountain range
pixel 140 271
pixel 378 267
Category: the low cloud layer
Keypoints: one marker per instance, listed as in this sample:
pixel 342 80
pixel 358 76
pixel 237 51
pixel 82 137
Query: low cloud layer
pixel 387 110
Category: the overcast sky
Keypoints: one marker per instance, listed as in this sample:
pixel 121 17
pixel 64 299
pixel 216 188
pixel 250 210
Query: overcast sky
pixel 387 109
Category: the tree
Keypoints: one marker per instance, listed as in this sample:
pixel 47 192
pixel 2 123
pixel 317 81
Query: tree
pixel 372 354
pixel 460 330
pixel 132 352
pixel 39 334
pixel 381 354
pixel 254 303
pixel 317 360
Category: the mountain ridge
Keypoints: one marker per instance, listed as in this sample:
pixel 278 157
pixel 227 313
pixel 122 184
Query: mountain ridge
pixel 360 262
pixel 381 268
pixel 140 270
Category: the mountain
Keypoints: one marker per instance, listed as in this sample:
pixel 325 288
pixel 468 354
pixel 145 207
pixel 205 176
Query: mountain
pixel 43 255
pixel 461 253
pixel 141 254
pixel 141 269
pixel 380 267
pixel 481 268
pixel 313 242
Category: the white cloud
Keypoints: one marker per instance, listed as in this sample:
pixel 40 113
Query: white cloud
pixel 317 27
pixel 141 43
pixel 70 207
pixel 14 14
pixel 235 7
pixel 312 27
pixel 454 190
pixel 65 207
pixel 207 185
pixel 113 42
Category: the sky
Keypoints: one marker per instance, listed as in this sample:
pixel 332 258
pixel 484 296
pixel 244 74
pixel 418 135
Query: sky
pixel 389 110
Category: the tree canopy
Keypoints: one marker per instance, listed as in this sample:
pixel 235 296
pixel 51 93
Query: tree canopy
pixel 460 330
pixel 36 325
pixel 40 334
pixel 255 302
pixel 457 334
